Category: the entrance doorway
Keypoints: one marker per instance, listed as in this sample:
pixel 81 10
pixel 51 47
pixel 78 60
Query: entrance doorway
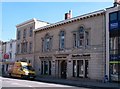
pixel 63 69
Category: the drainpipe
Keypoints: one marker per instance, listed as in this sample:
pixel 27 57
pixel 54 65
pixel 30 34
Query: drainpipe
pixel 105 47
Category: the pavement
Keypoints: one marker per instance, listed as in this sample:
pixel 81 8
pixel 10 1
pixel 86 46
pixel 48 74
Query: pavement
pixel 80 82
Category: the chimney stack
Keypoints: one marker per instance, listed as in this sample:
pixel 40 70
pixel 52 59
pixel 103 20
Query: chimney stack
pixel 116 2
pixel 68 15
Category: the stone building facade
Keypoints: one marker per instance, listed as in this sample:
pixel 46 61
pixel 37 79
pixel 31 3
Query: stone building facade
pixel 25 37
pixel 72 48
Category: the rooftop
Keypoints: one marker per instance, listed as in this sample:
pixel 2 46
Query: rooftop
pixel 81 17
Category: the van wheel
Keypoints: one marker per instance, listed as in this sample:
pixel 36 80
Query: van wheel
pixel 23 76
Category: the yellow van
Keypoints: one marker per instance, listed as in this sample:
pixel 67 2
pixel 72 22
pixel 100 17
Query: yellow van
pixel 21 70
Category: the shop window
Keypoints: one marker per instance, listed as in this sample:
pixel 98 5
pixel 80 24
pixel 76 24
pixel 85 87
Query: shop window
pixel 80 68
pixel 74 68
pixel 114 45
pixel 42 67
pixel 46 67
pixel 114 71
pixel 49 67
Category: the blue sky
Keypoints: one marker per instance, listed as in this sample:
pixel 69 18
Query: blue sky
pixel 14 13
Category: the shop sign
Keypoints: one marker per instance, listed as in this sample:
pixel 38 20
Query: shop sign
pixel 6 56
pixel 114 57
pixel 114 25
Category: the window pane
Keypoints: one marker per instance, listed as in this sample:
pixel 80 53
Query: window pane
pixel 62 37
pixel 31 33
pixel 74 68
pixel 113 16
pixel 75 38
pixel 45 67
pixel 24 34
pixel 80 68
pixel 119 15
pixel 18 35
pixel 87 38
pixel 18 48
pixel 30 47
pixel 119 40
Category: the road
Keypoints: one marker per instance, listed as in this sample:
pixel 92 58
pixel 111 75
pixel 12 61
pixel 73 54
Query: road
pixel 12 83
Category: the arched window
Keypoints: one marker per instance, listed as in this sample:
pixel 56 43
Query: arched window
pixel 62 40
pixel 47 42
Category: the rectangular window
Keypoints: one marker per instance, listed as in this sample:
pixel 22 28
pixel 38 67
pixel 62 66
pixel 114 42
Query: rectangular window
pixel 10 55
pixel 113 16
pixel 26 47
pixel 10 45
pixel 18 35
pixel 81 38
pixel 18 48
pixel 80 42
pixel 30 47
pixel 87 38
pixel 62 40
pixel 24 33
pixel 62 44
pixel 47 44
pixel 75 40
pixel 42 45
pixel 31 32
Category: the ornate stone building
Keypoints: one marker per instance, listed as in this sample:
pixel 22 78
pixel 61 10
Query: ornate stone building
pixel 74 47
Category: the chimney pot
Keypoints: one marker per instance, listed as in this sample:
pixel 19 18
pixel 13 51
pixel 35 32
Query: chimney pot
pixel 116 2
pixel 68 15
